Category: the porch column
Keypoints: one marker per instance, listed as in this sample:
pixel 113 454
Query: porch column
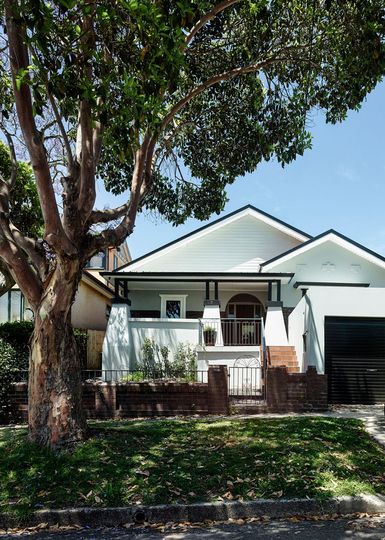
pixel 275 331
pixel 212 314
pixel 116 345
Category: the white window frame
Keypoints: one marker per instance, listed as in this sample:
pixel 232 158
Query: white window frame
pixel 163 302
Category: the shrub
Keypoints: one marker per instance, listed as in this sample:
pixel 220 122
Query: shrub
pixel 18 334
pixel 155 361
pixel 136 376
pixel 9 370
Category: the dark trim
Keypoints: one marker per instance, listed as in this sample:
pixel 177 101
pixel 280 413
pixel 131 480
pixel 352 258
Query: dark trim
pixel 208 276
pixel 212 303
pixel 97 282
pixel 274 304
pixel 327 284
pixel 270 291
pixel 215 222
pixel 207 290
pixel 121 301
pixel 330 231
pixel 278 291
pixel 216 291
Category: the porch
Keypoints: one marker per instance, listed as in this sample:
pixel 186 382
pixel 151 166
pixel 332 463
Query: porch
pixel 228 319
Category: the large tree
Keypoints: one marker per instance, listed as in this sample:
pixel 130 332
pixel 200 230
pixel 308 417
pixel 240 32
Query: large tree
pixel 169 102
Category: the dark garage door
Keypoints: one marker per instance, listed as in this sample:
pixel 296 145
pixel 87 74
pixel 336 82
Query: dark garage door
pixel 355 359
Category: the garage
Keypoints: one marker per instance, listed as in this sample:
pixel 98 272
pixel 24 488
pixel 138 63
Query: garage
pixel 355 359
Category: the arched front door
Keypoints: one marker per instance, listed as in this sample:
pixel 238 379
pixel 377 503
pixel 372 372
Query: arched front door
pixel 242 325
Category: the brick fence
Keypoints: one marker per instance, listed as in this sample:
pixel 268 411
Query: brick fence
pixel 131 400
pixel 287 392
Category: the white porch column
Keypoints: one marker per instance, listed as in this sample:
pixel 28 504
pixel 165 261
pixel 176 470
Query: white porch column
pixel 212 315
pixel 116 345
pixel 275 331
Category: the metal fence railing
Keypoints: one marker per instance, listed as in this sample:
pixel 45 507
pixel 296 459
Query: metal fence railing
pixel 128 375
pixel 231 332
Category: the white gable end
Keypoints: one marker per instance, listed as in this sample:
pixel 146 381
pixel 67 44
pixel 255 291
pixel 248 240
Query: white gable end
pixel 329 261
pixel 237 245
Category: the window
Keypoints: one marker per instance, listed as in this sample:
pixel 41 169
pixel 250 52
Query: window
pixel 116 262
pixel 14 307
pixel 98 261
pixel 173 306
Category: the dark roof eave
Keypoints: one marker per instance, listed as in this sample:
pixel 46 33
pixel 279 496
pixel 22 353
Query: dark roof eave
pixel 198 276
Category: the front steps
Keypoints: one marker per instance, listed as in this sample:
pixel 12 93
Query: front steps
pixel 283 356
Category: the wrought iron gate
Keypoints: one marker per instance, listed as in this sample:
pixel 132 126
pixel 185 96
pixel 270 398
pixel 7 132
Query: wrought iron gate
pixel 247 380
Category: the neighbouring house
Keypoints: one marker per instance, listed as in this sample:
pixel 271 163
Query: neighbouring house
pixel 92 304
pixel 247 284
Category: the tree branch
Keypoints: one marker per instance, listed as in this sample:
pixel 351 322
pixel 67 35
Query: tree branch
pixel 63 132
pixel 8 282
pixel 54 232
pixel 231 74
pixel 206 18
pixel 87 193
pixel 104 216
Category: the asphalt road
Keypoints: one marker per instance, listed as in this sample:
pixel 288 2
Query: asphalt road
pixel 340 529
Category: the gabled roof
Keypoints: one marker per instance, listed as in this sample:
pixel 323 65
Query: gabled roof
pixel 328 236
pixel 224 220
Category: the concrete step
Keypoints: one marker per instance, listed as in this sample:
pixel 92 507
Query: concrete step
pixel 287 364
pixel 287 356
pixel 283 353
pixel 281 348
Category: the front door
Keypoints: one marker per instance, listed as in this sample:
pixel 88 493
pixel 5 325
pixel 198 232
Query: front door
pixel 244 311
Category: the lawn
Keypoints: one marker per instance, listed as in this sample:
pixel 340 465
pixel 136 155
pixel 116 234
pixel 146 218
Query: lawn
pixel 153 462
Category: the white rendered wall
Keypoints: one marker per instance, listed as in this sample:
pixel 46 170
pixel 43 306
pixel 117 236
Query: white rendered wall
pixel 320 302
pixel 275 331
pixel 125 337
pixel 116 352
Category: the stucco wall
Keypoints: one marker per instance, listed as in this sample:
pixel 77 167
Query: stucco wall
pixel 89 309
pixel 125 336
pixel 309 316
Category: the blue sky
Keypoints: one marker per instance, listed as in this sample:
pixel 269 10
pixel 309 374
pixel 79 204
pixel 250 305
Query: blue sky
pixel 339 184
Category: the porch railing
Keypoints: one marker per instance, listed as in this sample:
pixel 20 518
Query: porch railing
pixel 230 332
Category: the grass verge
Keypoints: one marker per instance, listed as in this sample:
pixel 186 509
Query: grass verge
pixel 157 462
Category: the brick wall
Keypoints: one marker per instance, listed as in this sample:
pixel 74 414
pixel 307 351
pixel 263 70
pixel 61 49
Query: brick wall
pixel 287 392
pixel 131 400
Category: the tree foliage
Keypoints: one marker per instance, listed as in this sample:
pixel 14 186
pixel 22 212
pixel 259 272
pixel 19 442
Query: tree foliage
pixel 133 62
pixel 24 206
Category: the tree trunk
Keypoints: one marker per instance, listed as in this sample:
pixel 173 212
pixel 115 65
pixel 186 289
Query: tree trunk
pixel 55 414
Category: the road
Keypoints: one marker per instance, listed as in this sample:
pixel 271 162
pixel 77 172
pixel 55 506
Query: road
pixel 340 529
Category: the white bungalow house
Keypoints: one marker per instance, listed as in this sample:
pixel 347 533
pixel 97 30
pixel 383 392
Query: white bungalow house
pixel 249 280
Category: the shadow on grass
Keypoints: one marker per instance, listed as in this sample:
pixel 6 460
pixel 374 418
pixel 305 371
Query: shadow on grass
pixel 188 461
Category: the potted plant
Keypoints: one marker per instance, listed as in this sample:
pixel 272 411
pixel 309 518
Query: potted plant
pixel 209 335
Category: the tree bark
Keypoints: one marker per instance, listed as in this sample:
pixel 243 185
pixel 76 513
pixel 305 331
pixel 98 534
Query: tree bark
pixel 55 413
